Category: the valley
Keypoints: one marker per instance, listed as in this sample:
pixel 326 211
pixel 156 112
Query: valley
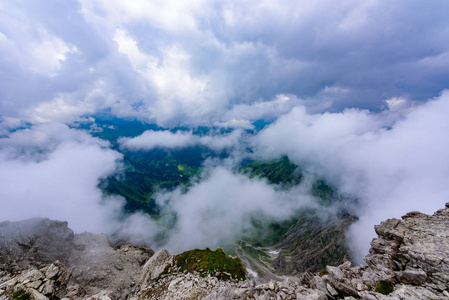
pixel 307 241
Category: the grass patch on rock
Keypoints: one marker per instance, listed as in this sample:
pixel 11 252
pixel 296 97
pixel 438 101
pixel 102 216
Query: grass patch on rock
pixel 21 295
pixel 214 263
pixel 384 287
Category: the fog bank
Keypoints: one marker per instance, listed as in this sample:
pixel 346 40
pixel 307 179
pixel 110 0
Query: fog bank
pixel 53 171
pixel 392 164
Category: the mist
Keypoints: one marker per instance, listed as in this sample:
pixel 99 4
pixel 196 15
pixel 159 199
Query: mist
pixel 53 171
pixel 218 210
pixel 392 164
pixel 350 91
pixel 181 139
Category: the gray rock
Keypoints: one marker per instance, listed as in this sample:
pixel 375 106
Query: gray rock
pixel 412 253
pixel 419 244
pixel 93 259
pixel 333 292
pixel 34 284
pixel 412 276
pixel 52 271
pixel 31 276
pixel 9 283
pixel 36 295
pixel 33 242
pixel 48 287
pixel 408 292
pixel 310 294
pixel 155 266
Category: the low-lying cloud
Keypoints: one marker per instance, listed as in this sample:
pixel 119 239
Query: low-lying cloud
pixel 53 171
pixel 392 165
pixel 219 209
pixel 151 139
pixel 226 64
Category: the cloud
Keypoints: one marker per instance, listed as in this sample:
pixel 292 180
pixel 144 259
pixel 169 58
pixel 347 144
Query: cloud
pixel 233 123
pixel 312 66
pixel 219 142
pixel 181 139
pixel 390 167
pixel 218 210
pixel 53 171
pixel 266 110
pixel 158 139
pixel 205 62
pixel 401 105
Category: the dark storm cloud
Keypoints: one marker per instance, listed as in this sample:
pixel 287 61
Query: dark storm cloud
pixel 190 63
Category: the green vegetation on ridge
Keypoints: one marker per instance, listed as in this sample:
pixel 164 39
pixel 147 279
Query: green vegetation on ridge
pixel 213 263
pixel 148 172
pixel 280 171
pixel 384 287
pixel 21 295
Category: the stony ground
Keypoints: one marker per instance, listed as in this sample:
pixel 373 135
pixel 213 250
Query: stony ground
pixel 409 260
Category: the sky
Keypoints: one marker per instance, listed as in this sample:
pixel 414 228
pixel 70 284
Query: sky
pixel 202 62
pixel 353 90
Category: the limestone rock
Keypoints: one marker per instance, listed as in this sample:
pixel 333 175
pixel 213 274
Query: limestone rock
pixel 93 260
pixel 415 249
pixel 412 253
pixel 156 265
pixel 412 276
pixel 33 242
pixel 312 241
pixel 310 294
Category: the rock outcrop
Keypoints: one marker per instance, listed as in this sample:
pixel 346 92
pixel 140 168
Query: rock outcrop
pixel 97 267
pixel 411 254
pixel 312 243
pixel 33 242
pixel 408 260
pixel 47 260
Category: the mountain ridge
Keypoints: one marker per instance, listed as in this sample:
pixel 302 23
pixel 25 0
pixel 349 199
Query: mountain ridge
pixel 408 260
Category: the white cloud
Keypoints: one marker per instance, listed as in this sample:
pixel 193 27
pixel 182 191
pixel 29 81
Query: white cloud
pixel 49 53
pixel 230 63
pixel 220 142
pixel 53 171
pixel 218 210
pixel 61 109
pixel 401 105
pixel 170 77
pixel 390 171
pixel 267 110
pixel 158 139
pixel 170 15
pixel 166 139
pixel 233 123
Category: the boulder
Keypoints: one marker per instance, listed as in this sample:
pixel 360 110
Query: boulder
pixel 156 265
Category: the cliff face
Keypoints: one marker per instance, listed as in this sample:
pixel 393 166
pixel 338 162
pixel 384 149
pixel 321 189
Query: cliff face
pixel 33 242
pixel 312 244
pixel 409 260
pixel 47 259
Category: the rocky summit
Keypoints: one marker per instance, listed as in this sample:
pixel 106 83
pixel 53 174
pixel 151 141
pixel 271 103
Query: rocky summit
pixel 43 259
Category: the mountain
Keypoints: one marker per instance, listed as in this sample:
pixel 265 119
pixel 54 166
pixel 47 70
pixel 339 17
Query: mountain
pixel 307 242
pixel 270 244
pixel 150 171
pixel 408 260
